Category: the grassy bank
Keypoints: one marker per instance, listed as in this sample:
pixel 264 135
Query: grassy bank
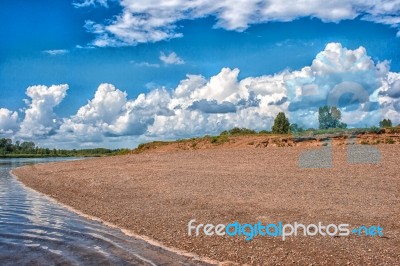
pixel 245 137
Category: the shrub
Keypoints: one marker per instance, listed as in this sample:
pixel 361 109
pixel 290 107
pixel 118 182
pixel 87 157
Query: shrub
pixel 238 131
pixel 223 139
pixel 219 139
pixel 214 139
pixel 374 129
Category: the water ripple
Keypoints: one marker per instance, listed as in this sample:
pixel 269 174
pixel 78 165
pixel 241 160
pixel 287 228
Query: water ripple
pixel 37 231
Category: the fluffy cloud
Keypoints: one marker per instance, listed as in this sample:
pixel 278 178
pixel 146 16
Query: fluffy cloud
pixel 171 59
pixel 40 120
pixel 8 121
pixel 366 91
pixel 110 114
pixel 89 122
pixel 104 107
pixel 340 77
pixel 150 21
pixel 391 86
pixel 337 76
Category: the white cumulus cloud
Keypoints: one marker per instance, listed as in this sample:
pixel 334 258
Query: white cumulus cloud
pixel 8 121
pixel 152 21
pixel 171 59
pixel 110 114
pixel 366 91
pixel 40 120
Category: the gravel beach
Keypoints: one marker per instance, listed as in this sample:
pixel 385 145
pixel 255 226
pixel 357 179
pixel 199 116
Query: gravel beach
pixel 156 194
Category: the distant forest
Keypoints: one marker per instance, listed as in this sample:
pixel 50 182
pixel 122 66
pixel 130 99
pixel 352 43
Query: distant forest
pixel 8 149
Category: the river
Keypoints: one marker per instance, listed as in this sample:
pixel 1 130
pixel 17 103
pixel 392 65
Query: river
pixel 37 231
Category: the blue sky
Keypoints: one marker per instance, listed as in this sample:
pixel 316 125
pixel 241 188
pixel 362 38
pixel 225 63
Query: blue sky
pixel 142 48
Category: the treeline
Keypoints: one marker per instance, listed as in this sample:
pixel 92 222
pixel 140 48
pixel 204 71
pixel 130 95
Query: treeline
pixel 328 118
pixel 329 122
pixel 29 149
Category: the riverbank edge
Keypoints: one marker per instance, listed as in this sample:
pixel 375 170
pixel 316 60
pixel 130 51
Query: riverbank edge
pixel 127 232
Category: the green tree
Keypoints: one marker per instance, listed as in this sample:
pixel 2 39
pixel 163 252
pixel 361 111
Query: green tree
pixel 28 146
pixel 6 145
pixel 281 124
pixel 329 117
pixel 385 123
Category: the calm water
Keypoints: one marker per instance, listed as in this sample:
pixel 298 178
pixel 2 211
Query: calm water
pixel 36 231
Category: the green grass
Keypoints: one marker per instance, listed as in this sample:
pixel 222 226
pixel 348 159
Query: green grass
pixel 238 132
pixel 152 145
pixel 219 139
pixel 344 131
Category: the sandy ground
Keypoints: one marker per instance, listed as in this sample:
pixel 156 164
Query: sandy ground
pixel 156 194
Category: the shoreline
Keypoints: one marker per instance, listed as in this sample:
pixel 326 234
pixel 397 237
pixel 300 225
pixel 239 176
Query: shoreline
pixel 152 196
pixel 33 156
pixel 127 232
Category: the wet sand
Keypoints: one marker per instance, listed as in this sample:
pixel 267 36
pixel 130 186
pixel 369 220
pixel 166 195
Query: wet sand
pixel 157 194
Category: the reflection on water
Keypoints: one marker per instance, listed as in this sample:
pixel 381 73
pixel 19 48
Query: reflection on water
pixel 34 230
